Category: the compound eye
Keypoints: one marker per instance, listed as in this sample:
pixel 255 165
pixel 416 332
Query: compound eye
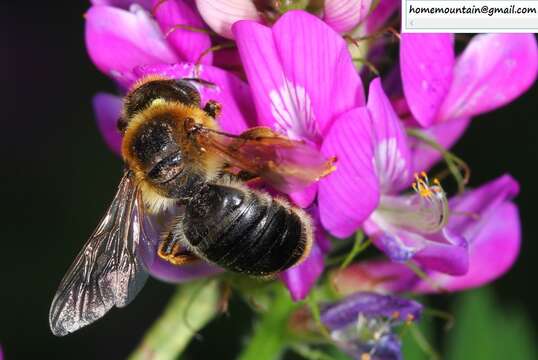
pixel 188 91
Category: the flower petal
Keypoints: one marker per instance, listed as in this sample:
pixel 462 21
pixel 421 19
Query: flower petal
pixel 344 15
pixel 447 254
pixel 445 134
pixel 493 70
pixel 162 269
pixel 123 4
pixel 303 198
pixel 228 59
pixel 300 279
pixel 371 305
pixel 392 157
pixel 165 271
pixel 107 109
pixel 379 16
pixel 492 252
pixel 221 15
pixel 426 62
pixel 481 202
pixel 188 44
pixel 380 276
pixel 443 251
pixel 348 195
pixel 291 72
pixel 232 93
pixel 118 40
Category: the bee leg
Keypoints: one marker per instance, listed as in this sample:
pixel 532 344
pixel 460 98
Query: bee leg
pixel 171 251
pixel 212 108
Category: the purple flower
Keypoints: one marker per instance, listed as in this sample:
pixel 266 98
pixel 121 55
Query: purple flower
pixel 124 4
pixel 362 323
pixel 489 221
pixel 493 70
pixel 443 93
pixel 341 15
pixel 378 17
pixel 119 39
pixel 296 92
pixel 302 83
pixel 374 161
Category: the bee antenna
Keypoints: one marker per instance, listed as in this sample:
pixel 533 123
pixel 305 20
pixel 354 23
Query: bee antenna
pixel 200 81
pixel 227 45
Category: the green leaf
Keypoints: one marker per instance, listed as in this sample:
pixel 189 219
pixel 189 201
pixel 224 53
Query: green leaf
pixel 193 305
pixel 486 330
pixel 270 333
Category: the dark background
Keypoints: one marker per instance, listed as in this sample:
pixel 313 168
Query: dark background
pixel 58 177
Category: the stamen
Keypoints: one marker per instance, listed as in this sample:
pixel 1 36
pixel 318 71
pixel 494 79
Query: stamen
pixel 424 188
pixel 229 45
pixel 426 213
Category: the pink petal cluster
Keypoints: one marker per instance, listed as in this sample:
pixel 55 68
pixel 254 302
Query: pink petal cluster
pixel 341 15
pixel 296 76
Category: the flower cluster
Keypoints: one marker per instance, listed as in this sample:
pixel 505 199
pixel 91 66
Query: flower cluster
pixel 303 74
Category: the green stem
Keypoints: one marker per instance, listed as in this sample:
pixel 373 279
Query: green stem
pixel 453 162
pixel 448 317
pixel 190 309
pixel 423 343
pixel 308 353
pixel 424 276
pixel 358 246
pixel 270 334
pixel 316 314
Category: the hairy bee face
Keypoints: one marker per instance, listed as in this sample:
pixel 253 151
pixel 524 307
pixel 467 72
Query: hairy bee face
pixel 157 145
pixel 150 89
pixel 154 150
pixel 154 147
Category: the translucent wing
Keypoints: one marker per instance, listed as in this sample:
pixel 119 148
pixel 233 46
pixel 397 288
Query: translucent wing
pixel 108 271
pixel 288 165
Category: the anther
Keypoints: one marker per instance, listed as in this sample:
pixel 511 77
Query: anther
pixel 424 188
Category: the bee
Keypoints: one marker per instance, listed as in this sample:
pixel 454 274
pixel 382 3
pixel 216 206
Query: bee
pixel 176 157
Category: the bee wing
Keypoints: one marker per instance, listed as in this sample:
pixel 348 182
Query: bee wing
pixel 108 271
pixel 286 164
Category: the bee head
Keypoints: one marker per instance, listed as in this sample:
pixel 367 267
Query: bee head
pixel 147 90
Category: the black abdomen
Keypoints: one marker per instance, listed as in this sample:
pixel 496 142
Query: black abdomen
pixel 245 231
